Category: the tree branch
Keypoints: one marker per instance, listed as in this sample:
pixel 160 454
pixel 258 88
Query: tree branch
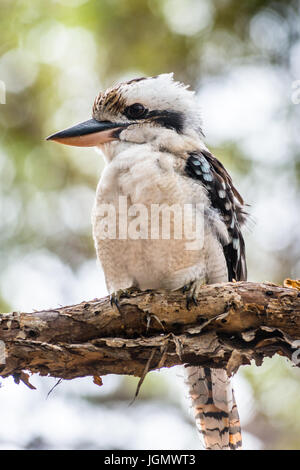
pixel 232 324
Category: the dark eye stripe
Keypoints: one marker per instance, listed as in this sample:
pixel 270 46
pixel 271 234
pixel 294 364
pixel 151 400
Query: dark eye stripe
pixel 169 119
pixel 165 118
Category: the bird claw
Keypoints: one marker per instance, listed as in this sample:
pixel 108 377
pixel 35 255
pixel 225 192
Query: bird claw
pixel 151 316
pixel 115 297
pixel 192 290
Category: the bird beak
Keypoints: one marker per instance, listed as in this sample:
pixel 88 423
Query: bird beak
pixel 89 133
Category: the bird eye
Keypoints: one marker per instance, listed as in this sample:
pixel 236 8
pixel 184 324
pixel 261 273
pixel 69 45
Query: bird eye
pixel 135 111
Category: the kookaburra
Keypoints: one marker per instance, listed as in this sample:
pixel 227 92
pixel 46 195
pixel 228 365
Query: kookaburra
pixel 149 130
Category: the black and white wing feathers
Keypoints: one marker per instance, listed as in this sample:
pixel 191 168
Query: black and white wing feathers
pixel 225 199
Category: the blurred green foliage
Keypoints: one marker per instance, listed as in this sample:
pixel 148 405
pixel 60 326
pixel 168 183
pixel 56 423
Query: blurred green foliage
pixel 55 56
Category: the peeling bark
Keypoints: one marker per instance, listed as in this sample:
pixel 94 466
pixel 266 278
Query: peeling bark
pixel 232 324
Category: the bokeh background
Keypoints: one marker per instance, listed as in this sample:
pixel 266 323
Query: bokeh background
pixel 243 58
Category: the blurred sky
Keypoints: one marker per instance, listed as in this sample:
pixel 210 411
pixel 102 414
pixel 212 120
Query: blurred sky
pixel 243 58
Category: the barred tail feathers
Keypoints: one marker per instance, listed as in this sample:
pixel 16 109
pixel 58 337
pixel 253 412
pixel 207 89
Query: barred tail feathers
pixel 215 409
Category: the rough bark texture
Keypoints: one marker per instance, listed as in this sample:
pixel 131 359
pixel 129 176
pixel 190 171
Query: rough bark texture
pixel 232 324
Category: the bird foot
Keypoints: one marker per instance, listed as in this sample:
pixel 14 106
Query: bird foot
pixel 192 290
pixel 115 297
pixel 151 316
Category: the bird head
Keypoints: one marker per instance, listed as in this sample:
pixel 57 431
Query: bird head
pixel 137 111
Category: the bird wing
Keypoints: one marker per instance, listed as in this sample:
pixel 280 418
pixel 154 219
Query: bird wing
pixel 226 200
